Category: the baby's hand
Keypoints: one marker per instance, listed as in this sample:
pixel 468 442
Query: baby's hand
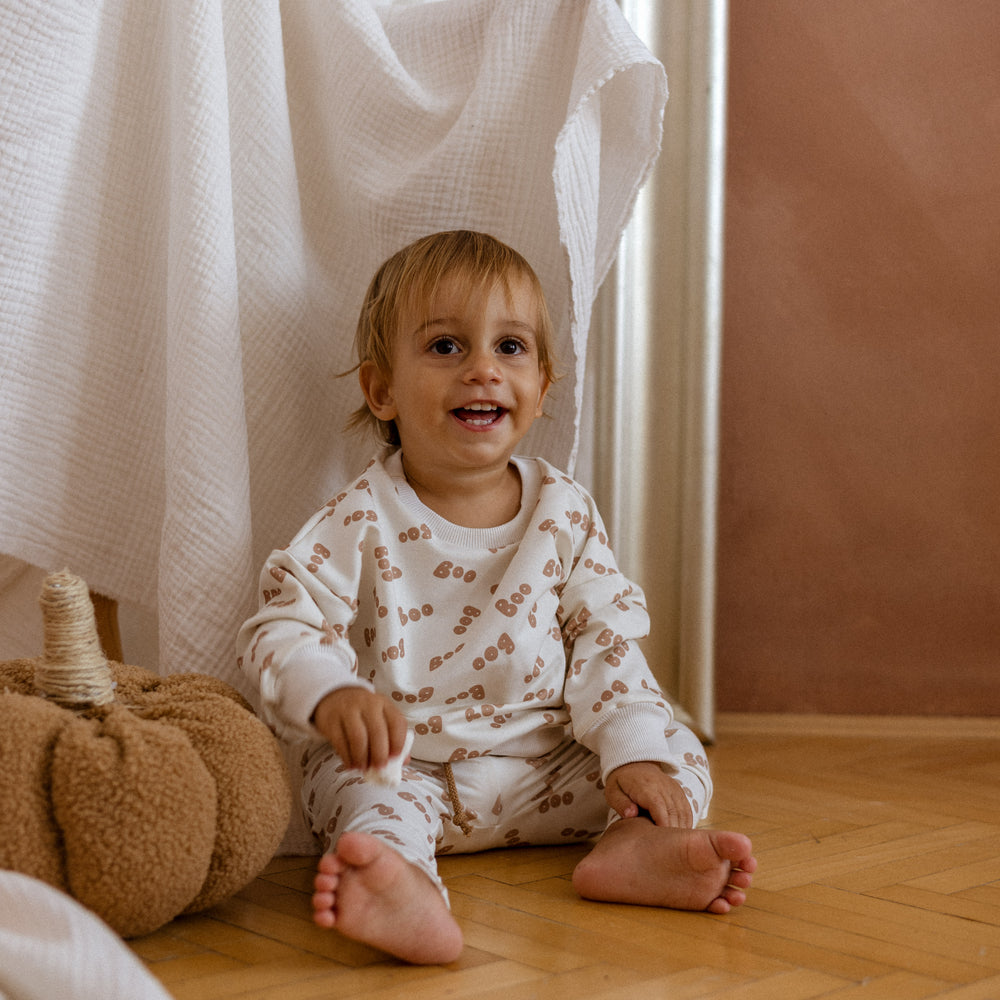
pixel 365 728
pixel 645 785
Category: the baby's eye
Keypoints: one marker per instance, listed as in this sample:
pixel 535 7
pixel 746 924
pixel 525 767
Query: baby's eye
pixel 444 346
pixel 511 346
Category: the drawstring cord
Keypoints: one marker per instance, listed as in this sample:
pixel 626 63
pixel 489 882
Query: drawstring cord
pixel 459 816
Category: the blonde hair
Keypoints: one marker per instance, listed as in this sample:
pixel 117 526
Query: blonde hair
pixel 410 278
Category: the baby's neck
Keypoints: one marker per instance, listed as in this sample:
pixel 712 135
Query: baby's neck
pixel 475 500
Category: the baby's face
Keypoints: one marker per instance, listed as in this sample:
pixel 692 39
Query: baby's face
pixel 466 383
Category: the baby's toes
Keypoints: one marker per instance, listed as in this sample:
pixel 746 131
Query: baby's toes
pixel 734 894
pixel 323 883
pixel 739 879
pixel 330 864
pixel 323 900
pixel 720 905
pixel 324 917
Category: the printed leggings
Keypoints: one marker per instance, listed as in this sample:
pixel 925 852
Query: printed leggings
pixel 478 804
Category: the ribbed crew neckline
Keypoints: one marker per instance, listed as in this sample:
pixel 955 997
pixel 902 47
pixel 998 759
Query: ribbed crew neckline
pixel 456 534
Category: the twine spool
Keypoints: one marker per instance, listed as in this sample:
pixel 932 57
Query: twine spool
pixel 74 671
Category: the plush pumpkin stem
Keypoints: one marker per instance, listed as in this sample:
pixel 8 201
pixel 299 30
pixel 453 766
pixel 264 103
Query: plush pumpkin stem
pixel 74 671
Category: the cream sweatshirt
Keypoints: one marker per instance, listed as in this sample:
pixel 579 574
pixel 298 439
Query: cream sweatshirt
pixel 501 640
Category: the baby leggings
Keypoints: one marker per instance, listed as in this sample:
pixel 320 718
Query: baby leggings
pixel 482 803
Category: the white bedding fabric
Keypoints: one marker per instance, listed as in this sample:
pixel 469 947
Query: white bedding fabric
pixel 51 948
pixel 193 197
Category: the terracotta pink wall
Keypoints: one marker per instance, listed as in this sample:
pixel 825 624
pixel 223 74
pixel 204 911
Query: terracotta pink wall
pixel 859 560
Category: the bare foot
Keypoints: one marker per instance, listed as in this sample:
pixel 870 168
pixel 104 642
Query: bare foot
pixel 637 862
pixel 370 893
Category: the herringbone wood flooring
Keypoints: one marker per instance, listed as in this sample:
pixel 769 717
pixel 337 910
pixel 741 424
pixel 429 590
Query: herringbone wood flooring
pixel 879 850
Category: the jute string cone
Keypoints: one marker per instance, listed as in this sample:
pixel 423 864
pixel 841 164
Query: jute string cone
pixel 73 672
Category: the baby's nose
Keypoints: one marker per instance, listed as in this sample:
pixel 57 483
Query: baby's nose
pixel 483 367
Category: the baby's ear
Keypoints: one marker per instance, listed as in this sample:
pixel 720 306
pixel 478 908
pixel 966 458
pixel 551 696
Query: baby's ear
pixel 546 385
pixel 377 387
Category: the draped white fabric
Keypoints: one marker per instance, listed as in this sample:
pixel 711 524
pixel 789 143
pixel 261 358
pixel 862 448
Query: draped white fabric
pixel 53 948
pixel 193 197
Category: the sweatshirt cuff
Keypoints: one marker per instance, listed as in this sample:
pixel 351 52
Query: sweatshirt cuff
pixel 301 685
pixel 633 733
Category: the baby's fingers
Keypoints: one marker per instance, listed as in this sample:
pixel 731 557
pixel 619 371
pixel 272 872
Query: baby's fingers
pixel 674 811
pixel 353 744
pixel 669 812
pixel 620 802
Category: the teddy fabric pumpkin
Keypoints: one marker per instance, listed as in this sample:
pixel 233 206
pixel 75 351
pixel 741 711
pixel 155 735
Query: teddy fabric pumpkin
pixel 141 796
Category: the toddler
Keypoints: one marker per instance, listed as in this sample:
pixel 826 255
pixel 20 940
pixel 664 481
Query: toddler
pixel 468 600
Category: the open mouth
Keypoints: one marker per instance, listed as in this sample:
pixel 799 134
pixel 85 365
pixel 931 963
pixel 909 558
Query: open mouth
pixel 480 414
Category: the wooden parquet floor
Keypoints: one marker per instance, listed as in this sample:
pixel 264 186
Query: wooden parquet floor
pixel 879 850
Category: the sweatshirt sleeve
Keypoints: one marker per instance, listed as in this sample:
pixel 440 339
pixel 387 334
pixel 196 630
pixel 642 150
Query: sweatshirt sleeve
pixel 616 708
pixel 296 648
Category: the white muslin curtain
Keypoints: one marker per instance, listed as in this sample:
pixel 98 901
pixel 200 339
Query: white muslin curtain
pixel 193 197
